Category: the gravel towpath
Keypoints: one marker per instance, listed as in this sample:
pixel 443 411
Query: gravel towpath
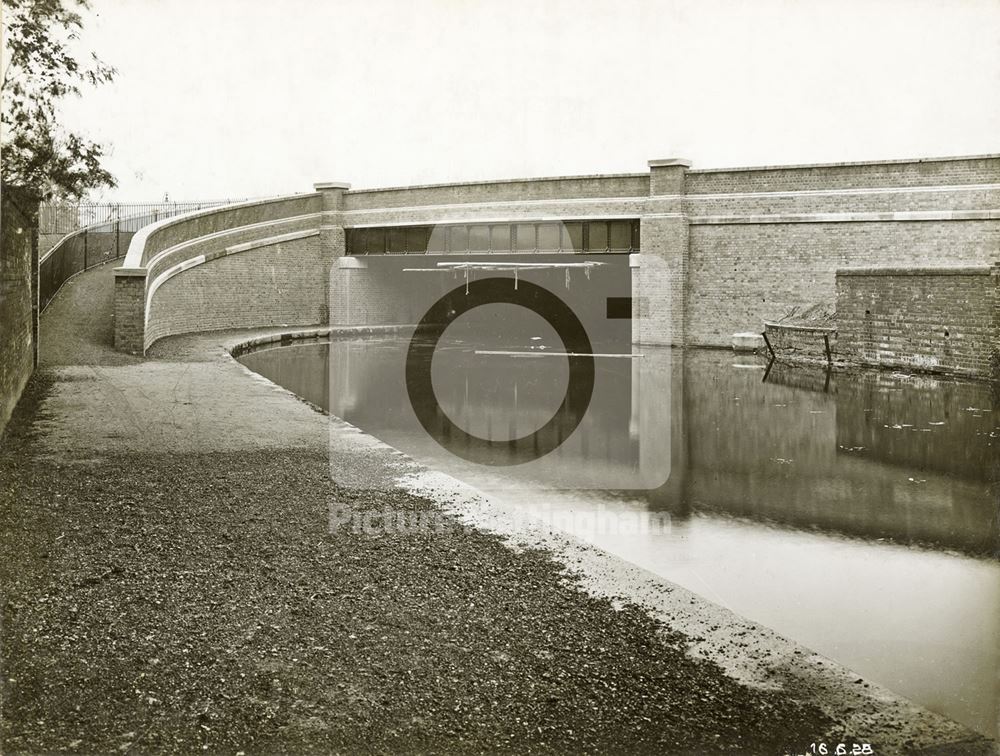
pixel 170 584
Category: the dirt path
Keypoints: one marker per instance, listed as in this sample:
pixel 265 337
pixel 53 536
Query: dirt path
pixel 170 583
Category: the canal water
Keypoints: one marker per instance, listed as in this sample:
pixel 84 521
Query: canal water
pixel 854 513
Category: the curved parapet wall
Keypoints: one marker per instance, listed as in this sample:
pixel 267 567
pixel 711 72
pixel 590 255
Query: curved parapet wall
pixel 250 264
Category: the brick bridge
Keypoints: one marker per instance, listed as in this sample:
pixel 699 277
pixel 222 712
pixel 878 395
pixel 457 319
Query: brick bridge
pixel 701 253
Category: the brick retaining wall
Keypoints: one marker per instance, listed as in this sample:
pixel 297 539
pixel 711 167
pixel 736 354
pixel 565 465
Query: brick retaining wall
pixel 272 285
pixel 18 296
pixel 252 264
pixel 932 319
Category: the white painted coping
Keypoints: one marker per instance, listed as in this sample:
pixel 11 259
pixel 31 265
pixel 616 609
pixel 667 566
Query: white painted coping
pixel 133 258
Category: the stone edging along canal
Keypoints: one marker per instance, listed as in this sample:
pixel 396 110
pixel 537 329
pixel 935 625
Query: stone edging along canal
pixel 751 653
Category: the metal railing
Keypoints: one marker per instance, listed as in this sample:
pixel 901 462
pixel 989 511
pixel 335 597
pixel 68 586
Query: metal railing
pixel 63 218
pixel 96 234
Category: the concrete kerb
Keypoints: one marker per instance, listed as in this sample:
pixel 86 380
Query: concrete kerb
pixel 241 346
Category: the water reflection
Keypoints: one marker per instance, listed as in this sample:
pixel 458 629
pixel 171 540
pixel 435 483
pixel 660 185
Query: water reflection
pixel 873 456
pixel 854 513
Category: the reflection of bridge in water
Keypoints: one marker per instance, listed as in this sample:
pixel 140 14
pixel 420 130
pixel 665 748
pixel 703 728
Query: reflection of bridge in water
pixel 866 455
pixel 867 459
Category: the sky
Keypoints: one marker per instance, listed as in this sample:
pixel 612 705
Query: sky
pixel 246 98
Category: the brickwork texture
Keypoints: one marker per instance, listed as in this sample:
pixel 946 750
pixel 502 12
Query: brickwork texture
pixel 722 251
pixel 936 320
pixel 18 296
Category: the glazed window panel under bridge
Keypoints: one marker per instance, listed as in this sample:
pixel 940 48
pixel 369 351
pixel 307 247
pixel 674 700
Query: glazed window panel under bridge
pixel 616 236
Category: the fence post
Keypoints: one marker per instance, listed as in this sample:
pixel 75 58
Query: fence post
pixel 84 249
pixel 118 239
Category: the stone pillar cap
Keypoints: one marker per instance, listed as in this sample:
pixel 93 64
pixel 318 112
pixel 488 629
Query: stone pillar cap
pixel 665 162
pixel 332 185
